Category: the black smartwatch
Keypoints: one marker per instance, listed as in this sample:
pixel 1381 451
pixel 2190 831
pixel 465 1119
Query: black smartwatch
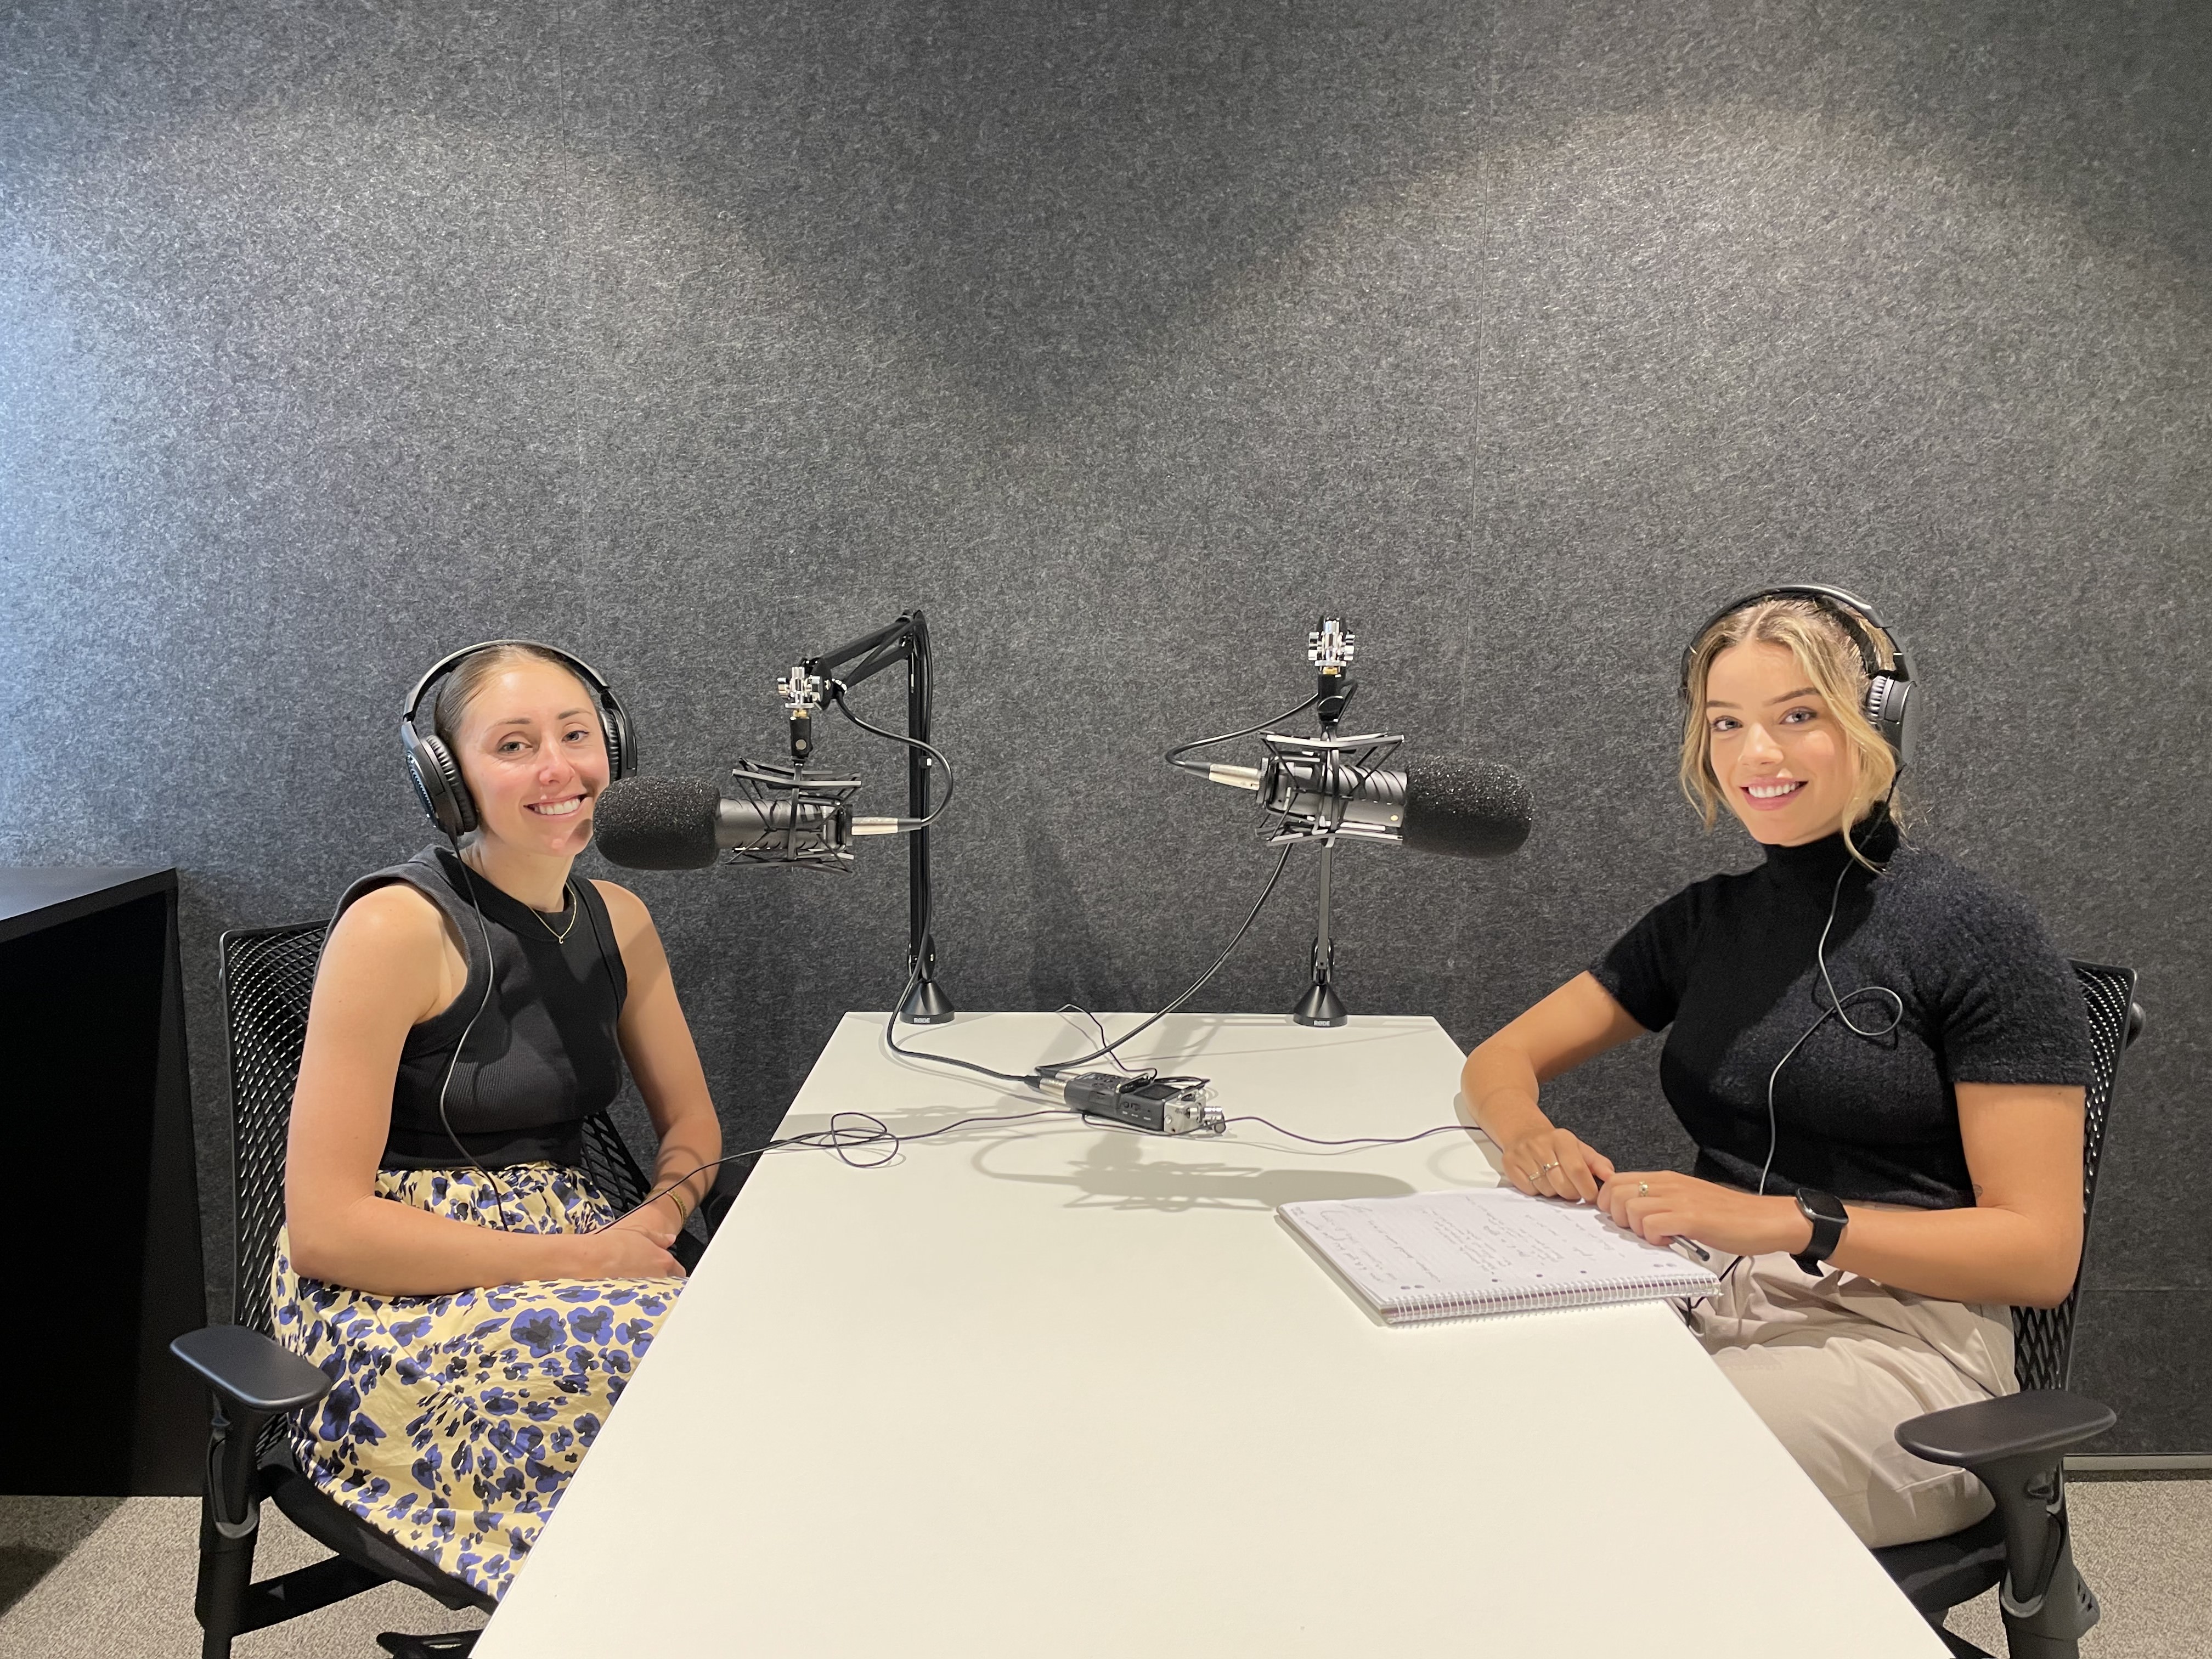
pixel 1829 1218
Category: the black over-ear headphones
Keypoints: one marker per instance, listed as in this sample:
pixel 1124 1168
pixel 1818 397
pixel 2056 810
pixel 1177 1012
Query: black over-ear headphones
pixel 436 776
pixel 1890 705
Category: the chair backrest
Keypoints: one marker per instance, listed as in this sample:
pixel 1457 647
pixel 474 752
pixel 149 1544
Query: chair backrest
pixel 268 982
pixel 268 978
pixel 607 1160
pixel 2043 1353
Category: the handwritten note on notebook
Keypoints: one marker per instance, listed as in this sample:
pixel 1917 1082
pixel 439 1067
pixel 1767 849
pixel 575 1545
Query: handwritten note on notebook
pixel 1485 1250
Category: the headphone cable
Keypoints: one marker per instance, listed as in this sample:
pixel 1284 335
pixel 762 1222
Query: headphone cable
pixel 1836 1005
pixel 491 979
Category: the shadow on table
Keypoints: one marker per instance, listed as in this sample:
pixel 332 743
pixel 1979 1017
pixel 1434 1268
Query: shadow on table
pixel 1114 1173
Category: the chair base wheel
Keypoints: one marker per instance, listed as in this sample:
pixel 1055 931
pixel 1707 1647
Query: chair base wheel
pixel 459 1643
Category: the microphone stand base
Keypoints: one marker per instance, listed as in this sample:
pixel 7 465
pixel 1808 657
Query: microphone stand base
pixel 926 1004
pixel 1320 1006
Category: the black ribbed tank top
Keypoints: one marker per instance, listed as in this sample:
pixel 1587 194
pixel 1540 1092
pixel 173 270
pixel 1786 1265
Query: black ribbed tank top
pixel 543 1055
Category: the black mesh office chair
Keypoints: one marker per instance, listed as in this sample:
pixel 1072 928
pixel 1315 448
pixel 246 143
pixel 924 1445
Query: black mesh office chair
pixel 267 976
pixel 2016 1445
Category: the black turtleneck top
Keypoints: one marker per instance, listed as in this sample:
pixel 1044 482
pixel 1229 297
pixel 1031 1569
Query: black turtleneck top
pixel 1726 967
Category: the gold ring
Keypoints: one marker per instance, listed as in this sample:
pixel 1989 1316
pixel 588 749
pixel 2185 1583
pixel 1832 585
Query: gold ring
pixel 1644 1190
pixel 1553 1164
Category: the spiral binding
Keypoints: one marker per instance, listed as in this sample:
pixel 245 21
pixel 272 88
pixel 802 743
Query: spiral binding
pixel 1605 1292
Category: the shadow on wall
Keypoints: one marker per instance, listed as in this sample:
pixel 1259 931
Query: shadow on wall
pixel 1029 187
pixel 1035 189
pixel 1040 191
pixel 1067 952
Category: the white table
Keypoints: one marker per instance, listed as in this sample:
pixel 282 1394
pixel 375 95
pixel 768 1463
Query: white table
pixel 1046 1388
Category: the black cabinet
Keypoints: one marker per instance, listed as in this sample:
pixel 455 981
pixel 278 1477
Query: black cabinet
pixel 95 1110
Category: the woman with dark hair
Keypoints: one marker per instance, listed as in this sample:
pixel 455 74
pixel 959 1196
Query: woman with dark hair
pixel 476 1302
pixel 1879 1057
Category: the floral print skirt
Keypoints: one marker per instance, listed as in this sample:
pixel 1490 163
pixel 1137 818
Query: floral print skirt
pixel 453 1422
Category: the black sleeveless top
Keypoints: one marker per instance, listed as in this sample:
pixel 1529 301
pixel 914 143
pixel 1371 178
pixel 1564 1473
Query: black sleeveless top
pixel 541 1057
pixel 1726 967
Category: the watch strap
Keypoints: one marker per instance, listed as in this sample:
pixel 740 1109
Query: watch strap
pixel 1825 1212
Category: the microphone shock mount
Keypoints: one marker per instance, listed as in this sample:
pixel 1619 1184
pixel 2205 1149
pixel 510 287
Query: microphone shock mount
pixel 1315 789
pixel 817 808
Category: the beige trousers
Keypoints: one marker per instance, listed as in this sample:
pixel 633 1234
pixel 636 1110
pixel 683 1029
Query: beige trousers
pixel 1834 1363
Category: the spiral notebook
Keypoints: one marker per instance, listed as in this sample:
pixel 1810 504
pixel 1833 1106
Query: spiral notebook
pixel 1487 1250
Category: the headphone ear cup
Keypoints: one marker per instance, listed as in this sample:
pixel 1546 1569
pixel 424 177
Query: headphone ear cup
pixel 622 746
pixel 438 785
pixel 1891 710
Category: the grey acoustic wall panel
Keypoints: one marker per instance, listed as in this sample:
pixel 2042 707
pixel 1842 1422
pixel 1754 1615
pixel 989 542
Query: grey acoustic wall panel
pixel 1125 338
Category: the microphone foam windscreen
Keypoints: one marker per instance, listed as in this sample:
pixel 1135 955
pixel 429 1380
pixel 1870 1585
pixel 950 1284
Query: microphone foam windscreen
pixel 1469 809
pixel 657 823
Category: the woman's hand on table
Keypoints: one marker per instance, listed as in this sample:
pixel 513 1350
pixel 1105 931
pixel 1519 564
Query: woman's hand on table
pixel 1551 1163
pixel 1660 1205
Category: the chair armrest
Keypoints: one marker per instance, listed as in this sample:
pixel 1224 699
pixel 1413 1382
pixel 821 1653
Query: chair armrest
pixel 2037 1422
pixel 249 1370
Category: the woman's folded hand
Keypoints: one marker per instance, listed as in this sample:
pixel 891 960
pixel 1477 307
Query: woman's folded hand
pixel 635 1246
pixel 1659 1205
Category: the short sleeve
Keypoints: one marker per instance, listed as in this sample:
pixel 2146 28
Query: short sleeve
pixel 2013 1012
pixel 1648 967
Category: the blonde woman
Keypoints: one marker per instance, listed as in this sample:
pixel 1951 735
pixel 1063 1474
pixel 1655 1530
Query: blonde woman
pixel 477 1303
pixel 1879 1057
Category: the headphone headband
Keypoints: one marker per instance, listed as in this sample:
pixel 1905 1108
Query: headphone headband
pixel 453 659
pixel 1889 703
pixel 436 774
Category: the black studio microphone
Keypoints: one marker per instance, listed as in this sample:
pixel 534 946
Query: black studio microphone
pixel 1467 809
pixel 685 823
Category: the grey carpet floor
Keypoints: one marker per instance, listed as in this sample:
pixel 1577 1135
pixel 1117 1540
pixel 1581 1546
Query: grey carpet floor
pixel 125 1587
pixel 96 1578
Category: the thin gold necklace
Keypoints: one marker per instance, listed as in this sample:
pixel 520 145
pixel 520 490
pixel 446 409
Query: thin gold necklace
pixel 568 907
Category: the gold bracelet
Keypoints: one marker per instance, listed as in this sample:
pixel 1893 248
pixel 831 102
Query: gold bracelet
pixel 683 1211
